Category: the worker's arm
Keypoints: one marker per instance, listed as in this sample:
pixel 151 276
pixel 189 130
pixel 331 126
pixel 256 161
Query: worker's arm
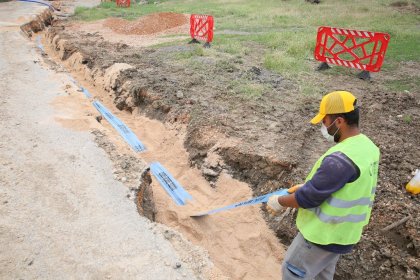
pixel 276 203
pixel 335 171
pixel 288 201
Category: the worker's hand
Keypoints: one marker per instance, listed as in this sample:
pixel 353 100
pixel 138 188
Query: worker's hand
pixel 294 188
pixel 273 205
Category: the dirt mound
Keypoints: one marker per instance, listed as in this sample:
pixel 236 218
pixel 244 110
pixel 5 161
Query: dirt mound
pixel 146 25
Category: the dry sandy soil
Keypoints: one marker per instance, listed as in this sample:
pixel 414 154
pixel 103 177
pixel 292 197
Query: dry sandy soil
pixel 220 144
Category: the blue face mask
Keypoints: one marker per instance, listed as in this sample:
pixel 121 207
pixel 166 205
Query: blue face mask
pixel 324 131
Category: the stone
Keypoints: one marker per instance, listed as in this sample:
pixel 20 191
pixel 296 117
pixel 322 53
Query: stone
pixel 209 172
pixel 167 234
pixel 180 95
pixel 177 265
pixel 125 165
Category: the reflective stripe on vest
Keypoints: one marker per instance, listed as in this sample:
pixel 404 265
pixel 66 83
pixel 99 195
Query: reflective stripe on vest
pixel 339 203
pixel 351 218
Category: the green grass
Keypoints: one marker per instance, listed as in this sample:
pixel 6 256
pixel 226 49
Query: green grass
pixel 247 90
pixel 196 51
pixel 281 33
pixel 401 85
pixel 407 119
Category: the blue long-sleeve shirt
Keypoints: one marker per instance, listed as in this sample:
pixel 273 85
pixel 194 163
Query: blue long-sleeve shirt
pixel 335 171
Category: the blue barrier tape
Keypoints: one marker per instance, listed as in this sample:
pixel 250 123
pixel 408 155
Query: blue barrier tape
pixel 122 129
pixel 39 44
pixel 256 200
pixel 38 2
pixel 73 81
pixel 86 92
pixel 171 186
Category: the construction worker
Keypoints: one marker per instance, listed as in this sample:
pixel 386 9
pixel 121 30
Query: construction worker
pixel 335 202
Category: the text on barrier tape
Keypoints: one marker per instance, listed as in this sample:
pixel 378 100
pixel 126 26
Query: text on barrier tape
pixel 122 129
pixel 255 200
pixel 171 186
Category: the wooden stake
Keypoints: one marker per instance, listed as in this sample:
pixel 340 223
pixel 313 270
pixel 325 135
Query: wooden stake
pixel 396 224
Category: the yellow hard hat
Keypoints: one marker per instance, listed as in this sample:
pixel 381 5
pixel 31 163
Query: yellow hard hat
pixel 335 102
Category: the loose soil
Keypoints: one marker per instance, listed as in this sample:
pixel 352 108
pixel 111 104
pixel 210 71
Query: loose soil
pixel 150 24
pixel 264 141
pixel 147 31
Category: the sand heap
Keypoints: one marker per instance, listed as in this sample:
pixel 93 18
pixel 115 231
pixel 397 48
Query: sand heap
pixel 146 25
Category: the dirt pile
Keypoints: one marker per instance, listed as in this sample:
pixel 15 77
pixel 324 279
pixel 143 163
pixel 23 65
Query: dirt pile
pixel 266 140
pixel 146 25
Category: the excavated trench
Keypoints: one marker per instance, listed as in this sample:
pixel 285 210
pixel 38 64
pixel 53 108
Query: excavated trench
pixel 194 140
pixel 209 148
pixel 239 242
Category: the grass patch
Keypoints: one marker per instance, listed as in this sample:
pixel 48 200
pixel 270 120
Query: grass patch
pixel 231 45
pixel 284 64
pixel 110 9
pixel 247 90
pixel 408 119
pixel 196 51
pixel 285 31
pixel 400 85
pixel 404 47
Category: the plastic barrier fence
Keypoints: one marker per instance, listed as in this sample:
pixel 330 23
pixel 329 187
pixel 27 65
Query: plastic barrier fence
pixel 362 50
pixel 201 27
pixel 123 3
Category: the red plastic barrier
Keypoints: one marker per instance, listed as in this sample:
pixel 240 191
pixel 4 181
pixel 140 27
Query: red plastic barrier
pixel 123 3
pixel 363 50
pixel 201 27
